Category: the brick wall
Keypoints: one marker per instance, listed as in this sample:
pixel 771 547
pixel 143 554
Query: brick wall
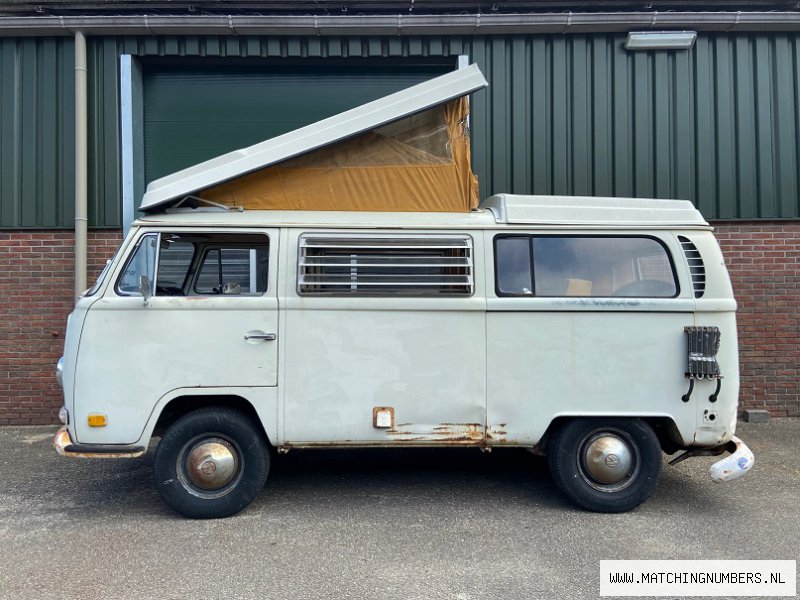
pixel 764 261
pixel 36 297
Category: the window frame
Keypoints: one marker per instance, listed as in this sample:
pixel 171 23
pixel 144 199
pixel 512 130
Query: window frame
pixel 498 292
pixel 105 274
pixel 208 247
pixel 189 271
pixel 531 236
pixel 378 295
pixel 129 259
pixel 194 268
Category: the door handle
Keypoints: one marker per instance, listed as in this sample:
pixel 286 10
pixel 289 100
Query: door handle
pixel 260 335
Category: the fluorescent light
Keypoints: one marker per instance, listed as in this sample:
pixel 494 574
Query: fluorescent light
pixel 660 40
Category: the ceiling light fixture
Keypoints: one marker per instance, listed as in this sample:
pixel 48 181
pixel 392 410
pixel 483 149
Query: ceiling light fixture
pixel 660 40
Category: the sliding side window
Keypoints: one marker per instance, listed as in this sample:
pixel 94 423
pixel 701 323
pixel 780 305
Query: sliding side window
pixel 385 265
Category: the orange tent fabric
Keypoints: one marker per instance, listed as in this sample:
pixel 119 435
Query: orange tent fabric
pixel 421 163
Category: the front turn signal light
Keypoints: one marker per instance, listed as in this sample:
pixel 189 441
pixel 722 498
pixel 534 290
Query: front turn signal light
pixel 96 420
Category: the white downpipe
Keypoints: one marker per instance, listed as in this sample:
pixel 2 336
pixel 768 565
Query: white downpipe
pixel 81 164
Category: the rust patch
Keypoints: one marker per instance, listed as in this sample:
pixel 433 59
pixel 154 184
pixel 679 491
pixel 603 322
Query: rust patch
pixel 102 455
pixel 496 433
pixel 444 433
pixel 62 441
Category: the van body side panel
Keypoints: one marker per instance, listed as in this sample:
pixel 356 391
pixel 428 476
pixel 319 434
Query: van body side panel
pixel 131 355
pixel 584 356
pixel 72 339
pixel 426 365
pixel 74 333
pixel 716 421
pixel 548 363
pixel 424 358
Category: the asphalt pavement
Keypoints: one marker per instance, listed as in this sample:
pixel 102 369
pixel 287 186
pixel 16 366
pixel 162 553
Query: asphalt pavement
pixel 452 523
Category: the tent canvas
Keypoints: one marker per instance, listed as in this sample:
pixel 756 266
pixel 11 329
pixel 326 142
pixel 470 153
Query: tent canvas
pixel 420 163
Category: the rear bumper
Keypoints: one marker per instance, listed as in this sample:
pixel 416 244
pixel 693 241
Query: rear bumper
pixel 734 466
pixel 64 446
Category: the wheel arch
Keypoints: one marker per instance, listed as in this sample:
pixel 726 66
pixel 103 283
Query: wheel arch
pixel 664 427
pixel 183 404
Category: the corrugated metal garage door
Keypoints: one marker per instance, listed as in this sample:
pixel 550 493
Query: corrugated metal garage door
pixel 195 113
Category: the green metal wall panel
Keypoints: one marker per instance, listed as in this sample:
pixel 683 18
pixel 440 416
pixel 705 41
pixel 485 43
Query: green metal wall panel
pixel 565 114
pixel 579 115
pixel 36 132
pixel 195 113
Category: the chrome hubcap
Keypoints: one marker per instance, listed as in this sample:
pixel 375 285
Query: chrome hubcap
pixel 211 464
pixel 607 461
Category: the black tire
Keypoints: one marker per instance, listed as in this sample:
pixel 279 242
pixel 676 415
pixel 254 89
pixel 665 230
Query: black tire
pixel 584 454
pixel 233 449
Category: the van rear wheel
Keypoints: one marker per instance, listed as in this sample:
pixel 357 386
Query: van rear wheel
pixel 211 463
pixel 607 464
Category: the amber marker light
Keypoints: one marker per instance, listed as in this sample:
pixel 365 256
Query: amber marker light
pixel 96 420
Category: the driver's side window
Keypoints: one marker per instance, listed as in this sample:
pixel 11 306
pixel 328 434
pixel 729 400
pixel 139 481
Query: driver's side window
pixel 198 264
pixel 141 263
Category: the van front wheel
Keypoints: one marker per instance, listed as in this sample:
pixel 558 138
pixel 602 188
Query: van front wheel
pixel 211 463
pixel 607 464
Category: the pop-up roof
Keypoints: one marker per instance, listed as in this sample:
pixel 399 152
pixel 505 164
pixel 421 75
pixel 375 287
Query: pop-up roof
pixel 235 178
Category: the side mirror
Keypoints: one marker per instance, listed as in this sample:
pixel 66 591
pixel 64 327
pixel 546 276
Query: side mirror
pixel 145 288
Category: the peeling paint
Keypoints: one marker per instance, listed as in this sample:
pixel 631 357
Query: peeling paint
pixel 497 433
pixel 599 302
pixel 443 433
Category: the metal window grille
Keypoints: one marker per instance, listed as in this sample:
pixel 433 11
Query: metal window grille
pixel 385 265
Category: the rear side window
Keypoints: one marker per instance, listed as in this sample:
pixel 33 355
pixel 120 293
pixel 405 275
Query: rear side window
pixel 385 265
pixel 591 266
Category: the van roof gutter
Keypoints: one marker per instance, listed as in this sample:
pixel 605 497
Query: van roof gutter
pixel 393 25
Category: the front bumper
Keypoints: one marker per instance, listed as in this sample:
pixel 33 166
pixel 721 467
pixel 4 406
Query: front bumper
pixel 64 446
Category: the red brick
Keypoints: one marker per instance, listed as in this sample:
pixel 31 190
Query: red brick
pixel 36 274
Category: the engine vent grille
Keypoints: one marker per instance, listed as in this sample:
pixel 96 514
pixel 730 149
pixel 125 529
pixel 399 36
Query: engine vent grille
pixel 703 345
pixel 696 266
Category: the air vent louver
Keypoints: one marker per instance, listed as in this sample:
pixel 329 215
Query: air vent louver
pixel 696 267
pixel 383 265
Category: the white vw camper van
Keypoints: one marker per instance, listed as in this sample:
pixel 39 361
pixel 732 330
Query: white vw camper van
pixel 598 331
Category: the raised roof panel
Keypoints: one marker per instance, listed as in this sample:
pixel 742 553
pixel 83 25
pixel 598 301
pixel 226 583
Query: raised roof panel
pixel 311 137
pixel 589 210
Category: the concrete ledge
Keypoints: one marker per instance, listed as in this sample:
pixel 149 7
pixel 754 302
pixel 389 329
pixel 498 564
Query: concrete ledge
pixel 756 416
